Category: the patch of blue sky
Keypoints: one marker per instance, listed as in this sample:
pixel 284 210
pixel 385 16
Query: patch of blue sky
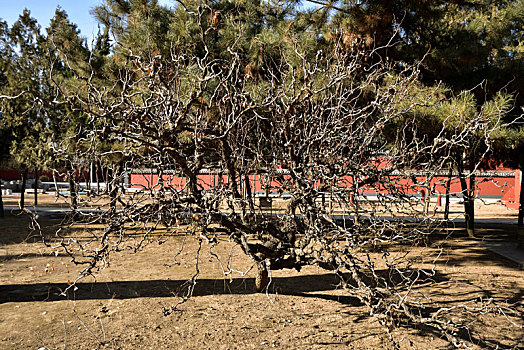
pixel 44 10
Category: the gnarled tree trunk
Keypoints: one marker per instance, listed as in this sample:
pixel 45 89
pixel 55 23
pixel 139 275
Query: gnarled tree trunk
pixel 261 279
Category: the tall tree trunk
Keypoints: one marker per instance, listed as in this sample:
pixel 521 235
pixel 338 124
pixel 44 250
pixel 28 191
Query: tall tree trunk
pixel 2 214
pixel 521 199
pixel 36 186
pixel 113 185
pixel 427 196
pixel 448 187
pixel 22 189
pixel 107 181
pixel 89 178
pixel 72 187
pixel 97 177
pixel 249 193
pixel 469 208
pixel 520 221
pixel 471 196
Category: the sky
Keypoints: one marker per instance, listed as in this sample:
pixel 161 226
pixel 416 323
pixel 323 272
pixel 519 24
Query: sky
pixel 44 10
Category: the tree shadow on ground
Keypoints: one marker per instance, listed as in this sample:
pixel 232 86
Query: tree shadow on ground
pixel 475 254
pixel 493 231
pixel 16 228
pixel 307 286
pixel 303 285
pixel 295 285
pixel 8 257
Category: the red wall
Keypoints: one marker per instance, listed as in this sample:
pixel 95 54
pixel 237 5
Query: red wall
pixel 506 187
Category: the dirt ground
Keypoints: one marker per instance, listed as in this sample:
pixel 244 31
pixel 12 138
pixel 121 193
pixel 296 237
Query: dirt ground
pixel 44 199
pixel 123 308
pixel 482 209
pixel 51 200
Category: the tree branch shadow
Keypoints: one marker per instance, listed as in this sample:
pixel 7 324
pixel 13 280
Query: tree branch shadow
pixel 295 285
pixel 304 286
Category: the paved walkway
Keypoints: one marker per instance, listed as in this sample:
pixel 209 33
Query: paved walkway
pixel 509 250
pixel 52 212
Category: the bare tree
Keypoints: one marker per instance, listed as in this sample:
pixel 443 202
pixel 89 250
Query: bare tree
pixel 316 130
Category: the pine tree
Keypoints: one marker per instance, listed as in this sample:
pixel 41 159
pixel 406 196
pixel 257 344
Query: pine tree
pixel 23 73
pixel 36 69
pixel 465 44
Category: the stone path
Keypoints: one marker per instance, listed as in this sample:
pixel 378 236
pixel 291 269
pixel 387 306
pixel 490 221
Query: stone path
pixel 509 250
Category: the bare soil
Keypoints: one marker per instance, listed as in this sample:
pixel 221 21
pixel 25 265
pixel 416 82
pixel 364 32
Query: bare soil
pixel 43 200
pixel 123 307
pixel 482 210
